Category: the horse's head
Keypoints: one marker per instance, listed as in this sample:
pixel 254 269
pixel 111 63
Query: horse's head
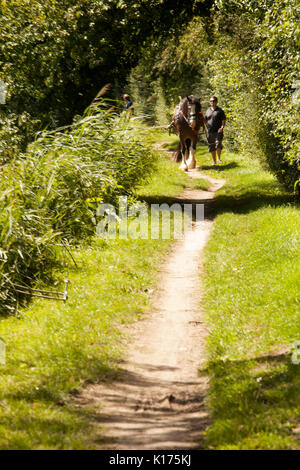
pixel 194 107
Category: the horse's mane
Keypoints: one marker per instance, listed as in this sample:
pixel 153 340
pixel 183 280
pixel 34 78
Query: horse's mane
pixel 184 106
pixel 185 101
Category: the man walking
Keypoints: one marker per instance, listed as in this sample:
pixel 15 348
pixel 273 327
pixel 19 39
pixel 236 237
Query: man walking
pixel 215 120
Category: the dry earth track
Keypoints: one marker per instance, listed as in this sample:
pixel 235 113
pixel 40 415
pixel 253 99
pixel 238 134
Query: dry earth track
pixel 159 400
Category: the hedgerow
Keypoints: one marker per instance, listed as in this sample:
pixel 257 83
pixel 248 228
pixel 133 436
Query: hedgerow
pixel 254 70
pixel 248 54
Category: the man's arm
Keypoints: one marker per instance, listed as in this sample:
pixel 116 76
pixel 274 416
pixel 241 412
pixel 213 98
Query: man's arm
pixel 223 125
pixel 223 116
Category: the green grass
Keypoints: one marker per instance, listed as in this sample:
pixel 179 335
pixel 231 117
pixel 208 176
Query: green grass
pixel 252 309
pixel 168 181
pixel 252 304
pixel 200 183
pixel 52 348
pixel 50 193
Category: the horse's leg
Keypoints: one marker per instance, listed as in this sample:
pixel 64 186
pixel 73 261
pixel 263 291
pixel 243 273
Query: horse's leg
pixel 187 151
pixel 191 162
pixel 183 165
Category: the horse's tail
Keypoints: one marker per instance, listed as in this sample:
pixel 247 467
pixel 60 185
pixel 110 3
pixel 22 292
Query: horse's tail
pixel 177 156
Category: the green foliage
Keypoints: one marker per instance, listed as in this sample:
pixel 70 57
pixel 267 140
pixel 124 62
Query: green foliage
pixel 246 53
pixel 253 71
pixel 47 194
pixel 252 309
pixel 56 55
pixel 53 348
pixel 169 69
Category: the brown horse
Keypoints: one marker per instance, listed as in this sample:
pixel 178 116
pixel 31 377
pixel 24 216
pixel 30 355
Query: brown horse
pixel 187 119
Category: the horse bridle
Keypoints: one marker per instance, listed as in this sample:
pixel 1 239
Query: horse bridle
pixel 187 119
pixel 192 117
pixel 189 116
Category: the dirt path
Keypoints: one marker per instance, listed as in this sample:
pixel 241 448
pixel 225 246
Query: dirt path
pixel 159 401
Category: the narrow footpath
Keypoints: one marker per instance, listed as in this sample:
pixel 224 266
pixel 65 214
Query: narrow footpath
pixel 158 403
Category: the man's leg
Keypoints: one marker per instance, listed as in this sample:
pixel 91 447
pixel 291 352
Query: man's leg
pixel 219 146
pixel 211 140
pixel 213 154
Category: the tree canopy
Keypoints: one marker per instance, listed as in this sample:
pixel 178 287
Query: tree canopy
pixel 56 55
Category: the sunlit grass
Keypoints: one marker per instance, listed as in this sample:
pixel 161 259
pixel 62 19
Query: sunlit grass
pixel 252 304
pixel 52 348
pixel 252 309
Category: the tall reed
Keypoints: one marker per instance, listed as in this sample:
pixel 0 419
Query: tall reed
pixel 47 194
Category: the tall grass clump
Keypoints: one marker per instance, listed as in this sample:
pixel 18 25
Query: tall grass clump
pixel 50 194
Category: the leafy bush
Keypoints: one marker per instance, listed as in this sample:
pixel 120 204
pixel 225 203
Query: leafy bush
pixel 52 189
pixel 56 54
pixel 247 53
pixel 254 71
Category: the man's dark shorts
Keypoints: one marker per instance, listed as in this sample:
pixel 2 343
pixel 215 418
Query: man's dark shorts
pixel 214 140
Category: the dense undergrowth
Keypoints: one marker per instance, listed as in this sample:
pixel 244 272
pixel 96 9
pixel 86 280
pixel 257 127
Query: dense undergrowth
pixel 50 194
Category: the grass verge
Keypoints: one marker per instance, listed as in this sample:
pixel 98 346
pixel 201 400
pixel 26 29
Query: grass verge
pixel 252 304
